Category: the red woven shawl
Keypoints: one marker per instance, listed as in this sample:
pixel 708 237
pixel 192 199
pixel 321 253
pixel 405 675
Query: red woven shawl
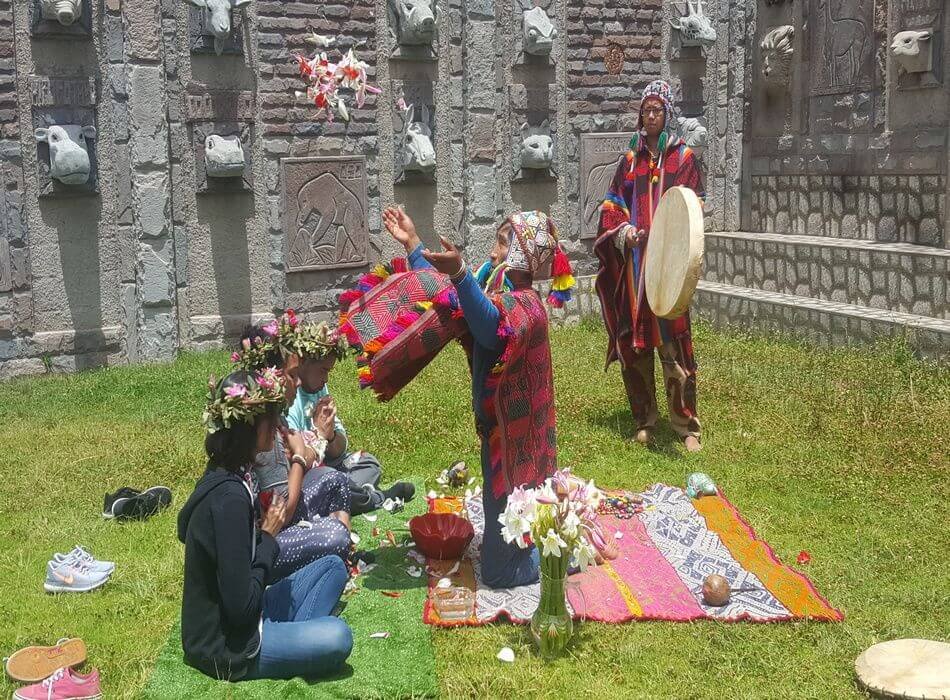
pixel 523 446
pixel 400 319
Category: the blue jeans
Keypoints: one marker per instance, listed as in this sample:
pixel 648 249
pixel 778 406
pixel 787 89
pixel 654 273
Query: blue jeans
pixel 299 636
pixel 503 565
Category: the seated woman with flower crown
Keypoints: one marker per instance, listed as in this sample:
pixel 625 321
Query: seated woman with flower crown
pixel 234 625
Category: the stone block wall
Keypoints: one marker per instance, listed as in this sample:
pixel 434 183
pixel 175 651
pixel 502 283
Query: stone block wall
pixel 896 277
pixel 905 208
pixel 155 258
pixel 151 257
pixel 850 144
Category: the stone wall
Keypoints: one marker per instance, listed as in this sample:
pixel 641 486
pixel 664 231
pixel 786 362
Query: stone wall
pixel 152 255
pixel 155 256
pixel 905 208
pixel 850 144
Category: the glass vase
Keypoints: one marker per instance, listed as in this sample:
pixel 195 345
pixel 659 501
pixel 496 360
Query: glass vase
pixel 551 624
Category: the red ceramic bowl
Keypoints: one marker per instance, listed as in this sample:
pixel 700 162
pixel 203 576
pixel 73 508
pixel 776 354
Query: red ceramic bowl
pixel 441 535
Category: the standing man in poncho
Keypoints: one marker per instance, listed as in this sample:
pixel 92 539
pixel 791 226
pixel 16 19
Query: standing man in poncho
pixel 510 359
pixel 657 160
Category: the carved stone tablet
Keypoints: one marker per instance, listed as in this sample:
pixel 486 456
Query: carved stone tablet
pixel 325 212
pixel 842 46
pixel 202 104
pixel 62 92
pixel 599 156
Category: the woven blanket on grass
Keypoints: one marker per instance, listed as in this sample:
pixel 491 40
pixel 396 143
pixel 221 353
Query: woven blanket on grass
pixel 665 553
pixel 400 666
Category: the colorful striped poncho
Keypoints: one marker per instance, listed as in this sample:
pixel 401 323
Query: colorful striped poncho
pixel 632 198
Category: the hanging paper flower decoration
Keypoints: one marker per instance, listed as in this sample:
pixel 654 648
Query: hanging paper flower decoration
pixel 324 80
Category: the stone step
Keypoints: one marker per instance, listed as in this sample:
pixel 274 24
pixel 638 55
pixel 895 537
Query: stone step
pixel 903 277
pixel 817 320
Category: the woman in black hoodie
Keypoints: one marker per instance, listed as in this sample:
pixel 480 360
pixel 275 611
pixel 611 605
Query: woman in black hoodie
pixel 233 625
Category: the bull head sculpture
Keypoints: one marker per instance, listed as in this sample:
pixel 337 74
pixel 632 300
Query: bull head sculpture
pixel 537 146
pixel 63 11
pixel 68 151
pixel 913 50
pixel 224 156
pixel 695 27
pixel 413 22
pixel 217 14
pixel 418 153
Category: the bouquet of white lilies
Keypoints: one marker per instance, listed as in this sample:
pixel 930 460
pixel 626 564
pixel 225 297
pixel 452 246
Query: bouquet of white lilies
pixel 559 517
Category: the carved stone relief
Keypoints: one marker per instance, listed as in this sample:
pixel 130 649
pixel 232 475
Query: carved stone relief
pixel 61 19
pixel 203 105
pixel 413 28
pixel 223 157
pixel 538 32
pixel 64 127
pixel 913 50
pixel 535 152
pixel 415 155
pixel 842 46
pixel 215 26
pixel 325 212
pixel 600 154
pixel 533 131
pixel 695 27
pixel 918 47
pixel 614 59
pixel 694 134
pixel 778 49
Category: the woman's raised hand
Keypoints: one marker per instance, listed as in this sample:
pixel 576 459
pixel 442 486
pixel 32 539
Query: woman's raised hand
pixel 401 227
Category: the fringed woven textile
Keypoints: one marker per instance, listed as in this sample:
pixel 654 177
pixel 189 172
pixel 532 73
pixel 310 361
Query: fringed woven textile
pixel 399 319
pixel 665 552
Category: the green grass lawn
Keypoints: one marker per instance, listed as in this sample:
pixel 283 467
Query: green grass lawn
pixel 841 453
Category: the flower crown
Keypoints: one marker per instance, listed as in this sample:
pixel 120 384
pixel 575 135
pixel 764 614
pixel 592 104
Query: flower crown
pixel 315 341
pixel 289 336
pixel 242 402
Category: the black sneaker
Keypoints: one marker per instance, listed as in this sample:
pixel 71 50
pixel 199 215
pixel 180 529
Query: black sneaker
pixel 129 504
pixel 403 490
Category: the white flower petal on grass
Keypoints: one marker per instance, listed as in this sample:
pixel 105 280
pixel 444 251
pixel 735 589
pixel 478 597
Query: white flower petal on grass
pixel 371 518
pixel 379 635
pixel 354 538
pixel 417 556
pixel 414 571
pixel 507 655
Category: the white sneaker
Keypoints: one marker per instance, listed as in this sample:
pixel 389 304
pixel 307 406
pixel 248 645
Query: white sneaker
pixel 83 557
pixel 64 577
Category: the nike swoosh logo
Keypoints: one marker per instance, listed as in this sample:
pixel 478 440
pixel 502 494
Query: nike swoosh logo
pixel 68 580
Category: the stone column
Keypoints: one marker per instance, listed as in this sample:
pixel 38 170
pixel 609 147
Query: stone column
pixel 481 110
pixel 155 334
